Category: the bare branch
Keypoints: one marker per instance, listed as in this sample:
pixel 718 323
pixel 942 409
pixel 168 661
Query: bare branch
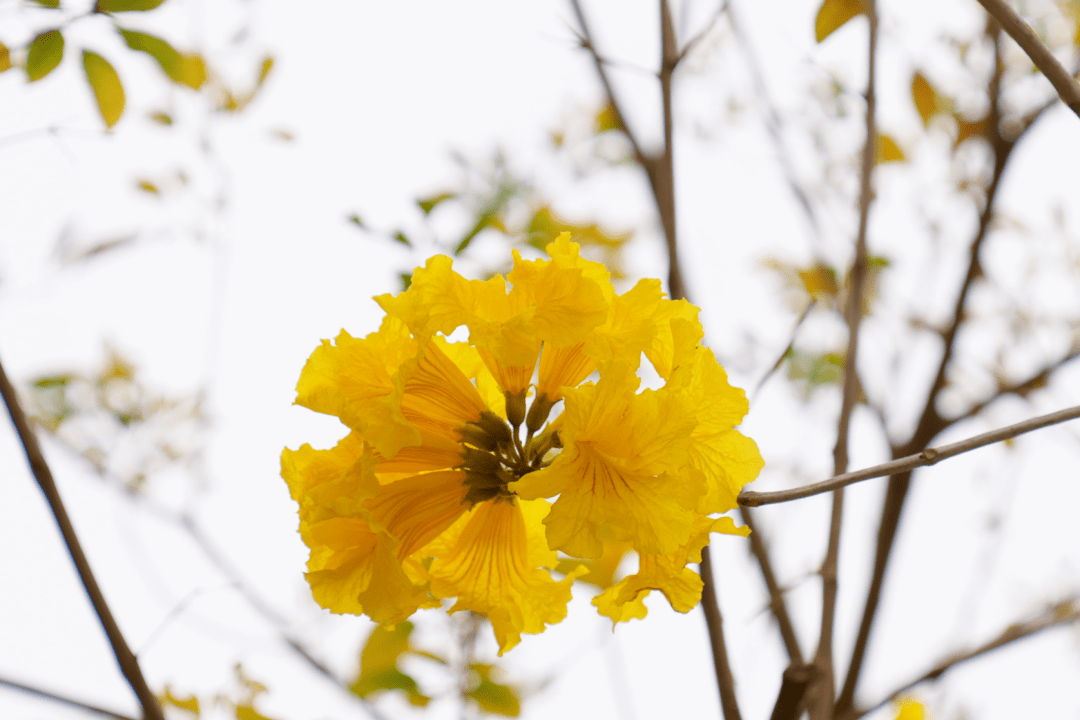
pixel 928 456
pixel 1060 613
pixel 693 42
pixel 129 665
pixel 930 421
pixel 715 622
pixel 824 682
pixel 776 594
pixel 585 36
pixel 1025 37
pixel 62 699
pixel 1021 388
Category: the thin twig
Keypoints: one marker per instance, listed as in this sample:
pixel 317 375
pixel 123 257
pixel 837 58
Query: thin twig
pixel 776 595
pixel 929 456
pixel 931 424
pixel 1025 37
pixel 693 42
pixel 780 360
pixel 236 579
pixel 129 665
pixel 1059 614
pixel 715 622
pixel 62 699
pixel 824 682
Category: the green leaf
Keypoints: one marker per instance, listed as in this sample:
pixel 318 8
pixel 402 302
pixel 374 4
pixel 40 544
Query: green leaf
pixel 44 54
pixel 184 69
pixel 400 237
pixel 357 221
pixel 110 6
pixel 48 3
pixel 813 370
pixel 428 204
pixel 378 664
pixel 833 14
pixel 106 86
pixel 406 280
pixel 5 57
pixel 491 696
pixel 886 150
pixel 161 118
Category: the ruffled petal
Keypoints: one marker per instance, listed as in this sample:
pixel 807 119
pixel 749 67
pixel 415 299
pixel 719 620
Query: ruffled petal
pixel 416 510
pixel 666 573
pixel 488 561
pixel 354 379
pixel 623 465
pixel 563 367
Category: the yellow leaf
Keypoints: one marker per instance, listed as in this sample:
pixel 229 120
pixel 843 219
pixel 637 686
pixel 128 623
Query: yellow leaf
pixel 606 119
pixel 264 70
pixel 189 703
pixel 161 118
pixel 186 69
pixel 909 709
pixel 44 54
pixel 966 129
pixel 819 280
pixel 927 100
pixel 247 712
pixel 886 150
pixel 5 57
pixel 833 14
pixel 106 86
pixel 147 186
pixel 491 696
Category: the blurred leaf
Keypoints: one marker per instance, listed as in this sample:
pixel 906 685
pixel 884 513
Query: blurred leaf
pixel 545 226
pixel 247 712
pixel 125 5
pixel 406 280
pixel 161 118
pixel 48 3
pixel 264 70
pixel 886 150
pixel 400 237
pixel 5 57
pixel 44 54
pixel 52 381
pixel 909 709
pixel 378 664
pixel 106 85
pixel 187 70
pixel 282 134
pixel 355 220
pixel 814 370
pixel 607 120
pixel 491 696
pixel 927 100
pixel 966 129
pixel 819 280
pixel 833 14
pixel 487 219
pixel 190 703
pixel 428 204
pixel 147 186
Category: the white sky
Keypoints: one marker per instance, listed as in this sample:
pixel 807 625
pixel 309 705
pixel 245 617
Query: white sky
pixel 377 96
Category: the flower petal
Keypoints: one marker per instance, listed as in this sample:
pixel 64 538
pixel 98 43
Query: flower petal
pixel 488 561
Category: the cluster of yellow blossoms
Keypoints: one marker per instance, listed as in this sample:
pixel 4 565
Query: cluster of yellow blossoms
pixel 441 488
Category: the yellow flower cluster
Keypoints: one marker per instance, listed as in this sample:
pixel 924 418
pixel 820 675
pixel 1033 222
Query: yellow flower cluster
pixel 442 487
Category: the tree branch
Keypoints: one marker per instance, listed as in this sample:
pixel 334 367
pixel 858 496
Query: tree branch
pixel 1060 614
pixel 776 595
pixel 824 682
pixel 715 622
pixel 930 422
pixel 929 456
pixel 62 699
pixel 1025 37
pixel 129 665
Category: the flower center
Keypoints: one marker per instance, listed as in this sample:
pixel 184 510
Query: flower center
pixel 493 454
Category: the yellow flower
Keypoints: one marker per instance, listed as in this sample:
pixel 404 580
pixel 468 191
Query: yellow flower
pixel 441 488
pixel 908 709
